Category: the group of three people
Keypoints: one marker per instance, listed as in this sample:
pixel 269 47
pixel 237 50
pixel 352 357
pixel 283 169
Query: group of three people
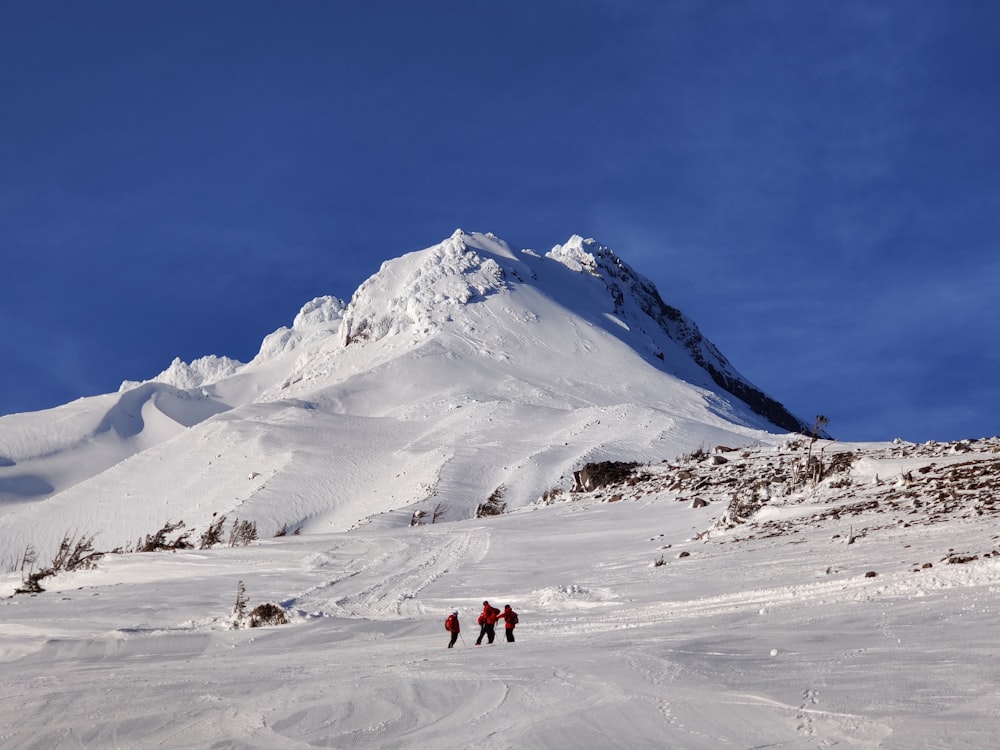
pixel 487 624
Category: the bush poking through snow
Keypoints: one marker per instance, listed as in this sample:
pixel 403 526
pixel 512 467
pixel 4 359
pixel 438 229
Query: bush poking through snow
pixel 78 553
pixel 596 475
pixel 550 496
pixel 267 614
pixel 240 606
pixel 213 534
pixel 419 517
pixel 745 502
pixel 263 615
pixel 242 533
pixel 31 585
pixel 494 505
pixel 158 542
pixel 73 554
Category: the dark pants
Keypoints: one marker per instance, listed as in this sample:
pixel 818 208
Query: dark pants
pixel 488 631
pixel 510 635
pixel 454 637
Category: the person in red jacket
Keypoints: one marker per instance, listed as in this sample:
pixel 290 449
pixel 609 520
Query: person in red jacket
pixel 487 623
pixel 509 621
pixel 452 626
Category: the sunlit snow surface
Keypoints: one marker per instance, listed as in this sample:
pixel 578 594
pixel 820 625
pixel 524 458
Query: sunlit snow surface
pixel 457 372
pixel 768 634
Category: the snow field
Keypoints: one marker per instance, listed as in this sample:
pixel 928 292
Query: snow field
pixel 742 643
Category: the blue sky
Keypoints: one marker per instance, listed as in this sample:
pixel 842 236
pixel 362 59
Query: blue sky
pixel 816 184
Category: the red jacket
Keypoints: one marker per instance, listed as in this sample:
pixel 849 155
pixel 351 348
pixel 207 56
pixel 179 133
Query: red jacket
pixel 509 616
pixel 489 615
pixel 451 624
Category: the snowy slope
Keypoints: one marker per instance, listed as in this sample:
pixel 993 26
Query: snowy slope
pixel 645 622
pixel 453 372
pixel 736 587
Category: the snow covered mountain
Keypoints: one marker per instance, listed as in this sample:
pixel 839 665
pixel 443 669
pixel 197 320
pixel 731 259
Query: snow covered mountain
pixel 711 582
pixel 455 372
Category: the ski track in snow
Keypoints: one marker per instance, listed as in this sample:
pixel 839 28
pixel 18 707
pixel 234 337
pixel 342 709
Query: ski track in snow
pixel 384 577
pixel 611 652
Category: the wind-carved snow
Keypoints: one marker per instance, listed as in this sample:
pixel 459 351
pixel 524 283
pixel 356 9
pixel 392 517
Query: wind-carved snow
pixel 202 371
pixel 319 312
pixel 420 291
pixel 317 320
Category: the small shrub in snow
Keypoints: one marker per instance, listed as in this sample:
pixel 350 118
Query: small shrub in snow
pixel 240 606
pixel 213 534
pixel 745 502
pixel 841 462
pixel 242 533
pixel 494 505
pixel 550 496
pixel 31 583
pixel 262 615
pixel 419 517
pixel 74 553
pixel 159 542
pixel 267 614
pixel 596 475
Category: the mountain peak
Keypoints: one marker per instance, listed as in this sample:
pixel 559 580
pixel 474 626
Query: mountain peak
pixel 472 283
pixel 423 292
pixel 454 371
pixel 419 290
pixel 579 254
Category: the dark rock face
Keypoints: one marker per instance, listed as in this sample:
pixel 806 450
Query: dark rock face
pixel 624 282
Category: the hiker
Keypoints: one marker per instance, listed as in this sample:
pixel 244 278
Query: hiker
pixel 487 621
pixel 510 620
pixel 452 626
